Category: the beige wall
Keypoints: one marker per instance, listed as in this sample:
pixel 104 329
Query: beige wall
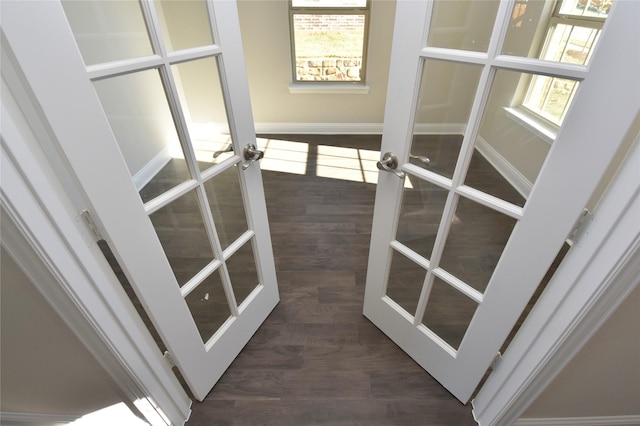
pixel 604 377
pixel 45 368
pixel 265 35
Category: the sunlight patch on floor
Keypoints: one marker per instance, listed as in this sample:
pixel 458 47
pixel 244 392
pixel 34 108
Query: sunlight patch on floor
pixel 358 165
pixel 333 162
pixel 284 156
pixel 118 414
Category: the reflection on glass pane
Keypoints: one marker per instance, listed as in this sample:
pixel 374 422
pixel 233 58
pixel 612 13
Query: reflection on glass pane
pixel 243 272
pixel 227 207
pixel 328 47
pixel 108 30
pixel 405 282
pixel 181 231
pixel 448 313
pixel 475 242
pixel 550 97
pixel 203 105
pixel 208 306
pixel 462 24
pixel 184 24
pixel 539 30
pixel 446 95
pixel 513 141
pixel 420 215
pixel 139 115
pixel 593 8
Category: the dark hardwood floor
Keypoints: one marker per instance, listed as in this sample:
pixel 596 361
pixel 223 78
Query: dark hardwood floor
pixel 316 360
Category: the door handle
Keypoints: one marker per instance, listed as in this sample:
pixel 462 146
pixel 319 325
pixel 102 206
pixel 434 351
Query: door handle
pixel 389 163
pixel 251 155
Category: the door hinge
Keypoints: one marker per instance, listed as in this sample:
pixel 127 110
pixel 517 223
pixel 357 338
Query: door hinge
pixel 88 220
pixel 578 230
pixel 496 361
pixel 169 358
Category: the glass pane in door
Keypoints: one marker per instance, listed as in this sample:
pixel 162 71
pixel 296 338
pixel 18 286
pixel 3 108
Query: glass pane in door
pixel 462 24
pixel 513 141
pixel 183 236
pixel 243 272
pixel 208 306
pixel 448 312
pixel 476 240
pixel 108 30
pixel 203 105
pixel 138 111
pixel 420 214
pixel 405 282
pixel 447 90
pixel 227 206
pixel 184 24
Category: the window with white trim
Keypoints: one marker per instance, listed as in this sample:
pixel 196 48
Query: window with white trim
pixel 328 40
pixel 572 33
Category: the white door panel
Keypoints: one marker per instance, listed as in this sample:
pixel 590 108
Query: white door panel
pixel 458 248
pixel 166 112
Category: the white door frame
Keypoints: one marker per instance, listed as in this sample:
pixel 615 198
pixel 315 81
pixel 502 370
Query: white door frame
pixel 598 273
pixel 54 247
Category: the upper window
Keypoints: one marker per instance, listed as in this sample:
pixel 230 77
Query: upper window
pixel 572 33
pixel 328 40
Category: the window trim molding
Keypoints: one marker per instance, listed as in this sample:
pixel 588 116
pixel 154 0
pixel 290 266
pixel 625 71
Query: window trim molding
pixel 522 113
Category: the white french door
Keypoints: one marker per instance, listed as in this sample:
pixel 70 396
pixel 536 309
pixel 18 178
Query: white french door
pixel 477 194
pixel 150 105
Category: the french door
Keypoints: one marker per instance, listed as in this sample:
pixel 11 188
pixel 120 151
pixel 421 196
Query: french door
pixel 477 192
pixel 150 105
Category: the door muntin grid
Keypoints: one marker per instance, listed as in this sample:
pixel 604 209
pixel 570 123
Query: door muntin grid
pixel 197 154
pixel 463 186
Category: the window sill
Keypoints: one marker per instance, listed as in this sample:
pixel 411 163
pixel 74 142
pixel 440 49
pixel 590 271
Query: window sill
pixel 545 131
pixel 328 89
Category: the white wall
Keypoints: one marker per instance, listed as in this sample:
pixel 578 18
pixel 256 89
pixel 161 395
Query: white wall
pixel 45 368
pixel 265 35
pixel 603 379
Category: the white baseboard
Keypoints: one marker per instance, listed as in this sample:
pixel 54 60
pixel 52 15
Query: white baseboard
pixel 504 167
pixel 8 418
pixel 320 128
pixel 352 128
pixel 149 170
pixel 580 421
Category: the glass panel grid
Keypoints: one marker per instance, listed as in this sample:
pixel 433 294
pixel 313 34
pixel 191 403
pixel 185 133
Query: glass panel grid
pixel 208 306
pixel 200 91
pixel 448 312
pixel 183 235
pixel 139 114
pixel 475 242
pixel 108 30
pixel 405 282
pixel 445 98
pixel 243 272
pixel 420 214
pixel 226 203
pixel 184 23
pixel 462 24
